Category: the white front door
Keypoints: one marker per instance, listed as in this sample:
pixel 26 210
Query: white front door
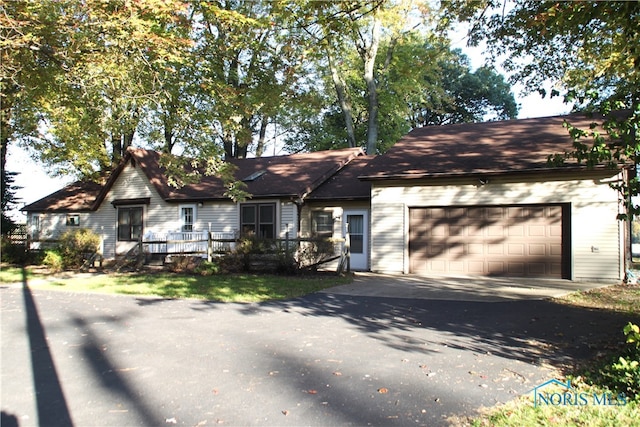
pixel 356 222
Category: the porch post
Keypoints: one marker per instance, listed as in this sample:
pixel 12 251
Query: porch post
pixel 209 245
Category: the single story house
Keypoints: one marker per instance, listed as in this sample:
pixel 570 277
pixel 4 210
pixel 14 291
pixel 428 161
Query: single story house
pixel 467 199
pixel 137 200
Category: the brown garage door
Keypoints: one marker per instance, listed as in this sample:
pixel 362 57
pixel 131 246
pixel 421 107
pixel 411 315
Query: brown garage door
pixel 521 241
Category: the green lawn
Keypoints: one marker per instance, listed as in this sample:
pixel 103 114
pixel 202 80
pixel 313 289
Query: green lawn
pixel 228 288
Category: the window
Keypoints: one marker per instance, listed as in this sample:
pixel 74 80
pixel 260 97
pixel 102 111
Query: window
pixel 129 223
pixel 258 219
pixel 35 226
pixel 73 220
pixel 356 233
pixel 187 217
pixel 322 223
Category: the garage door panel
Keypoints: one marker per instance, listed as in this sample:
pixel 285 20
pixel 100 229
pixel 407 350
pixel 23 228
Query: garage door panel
pixel 493 240
pixel 516 268
pixel 496 267
pixel 515 249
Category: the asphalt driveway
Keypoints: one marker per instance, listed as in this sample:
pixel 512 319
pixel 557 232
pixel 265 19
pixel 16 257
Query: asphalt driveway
pixel 330 358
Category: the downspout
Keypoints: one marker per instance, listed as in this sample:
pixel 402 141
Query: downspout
pixel 628 174
pixel 299 202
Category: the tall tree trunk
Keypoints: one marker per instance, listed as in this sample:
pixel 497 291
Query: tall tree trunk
pixel 369 57
pixel 168 121
pixel 261 136
pixel 343 98
pixel 244 137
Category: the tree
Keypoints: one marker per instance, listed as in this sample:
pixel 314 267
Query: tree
pixel 9 199
pixel 249 63
pixel 425 83
pixel 84 70
pixel 592 51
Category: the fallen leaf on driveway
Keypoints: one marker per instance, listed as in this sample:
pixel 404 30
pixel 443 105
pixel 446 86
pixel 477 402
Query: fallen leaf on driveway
pixel 285 412
pixel 383 390
pixel 312 392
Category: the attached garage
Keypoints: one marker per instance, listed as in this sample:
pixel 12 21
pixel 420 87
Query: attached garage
pixel 516 241
pixel 482 199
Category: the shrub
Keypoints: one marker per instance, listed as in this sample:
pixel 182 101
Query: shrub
pixel 53 260
pixel 207 268
pixel 623 375
pixel 75 245
pixel 253 254
pixel 313 252
pixel 184 263
pixel 12 253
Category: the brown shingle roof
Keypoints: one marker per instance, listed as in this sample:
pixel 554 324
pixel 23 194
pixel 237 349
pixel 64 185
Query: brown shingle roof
pixel 294 175
pixel 509 146
pixel 345 184
pixel 75 197
pixel 291 176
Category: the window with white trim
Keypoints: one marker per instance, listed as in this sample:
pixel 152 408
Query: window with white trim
pixel 35 226
pixel 73 220
pixel 258 219
pixel 187 217
pixel 322 223
pixel 130 224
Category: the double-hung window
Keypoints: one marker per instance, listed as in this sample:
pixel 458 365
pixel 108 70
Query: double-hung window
pixel 258 219
pixel 129 223
pixel 187 217
pixel 322 223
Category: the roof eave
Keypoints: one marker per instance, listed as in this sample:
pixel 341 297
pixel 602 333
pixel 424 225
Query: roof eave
pixel 426 175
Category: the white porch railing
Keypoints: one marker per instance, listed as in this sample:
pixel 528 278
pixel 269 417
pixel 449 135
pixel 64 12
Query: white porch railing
pixel 193 242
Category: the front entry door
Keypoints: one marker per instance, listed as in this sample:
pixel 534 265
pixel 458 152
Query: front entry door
pixel 356 223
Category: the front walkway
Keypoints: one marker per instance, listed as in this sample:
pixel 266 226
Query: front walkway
pixel 487 289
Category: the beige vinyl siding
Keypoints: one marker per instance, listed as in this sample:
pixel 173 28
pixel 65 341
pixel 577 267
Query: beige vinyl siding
pixel 337 209
pixel 159 216
pixel 219 217
pixel 288 219
pixel 52 225
pixel 595 231
pixel 388 237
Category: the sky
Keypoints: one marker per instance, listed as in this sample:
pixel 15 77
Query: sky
pixel 34 183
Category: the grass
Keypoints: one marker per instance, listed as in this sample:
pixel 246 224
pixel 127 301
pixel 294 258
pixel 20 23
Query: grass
pixel 226 288
pixel 620 298
pixel 523 412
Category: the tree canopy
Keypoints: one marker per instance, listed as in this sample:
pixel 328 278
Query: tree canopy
pixel 82 80
pixel 590 50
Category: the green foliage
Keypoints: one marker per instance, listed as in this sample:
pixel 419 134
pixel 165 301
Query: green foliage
pixel 207 268
pixel 254 254
pixel 425 83
pixel 589 51
pixel 311 253
pixel 75 245
pixel 54 260
pixel 622 375
pixel 12 253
